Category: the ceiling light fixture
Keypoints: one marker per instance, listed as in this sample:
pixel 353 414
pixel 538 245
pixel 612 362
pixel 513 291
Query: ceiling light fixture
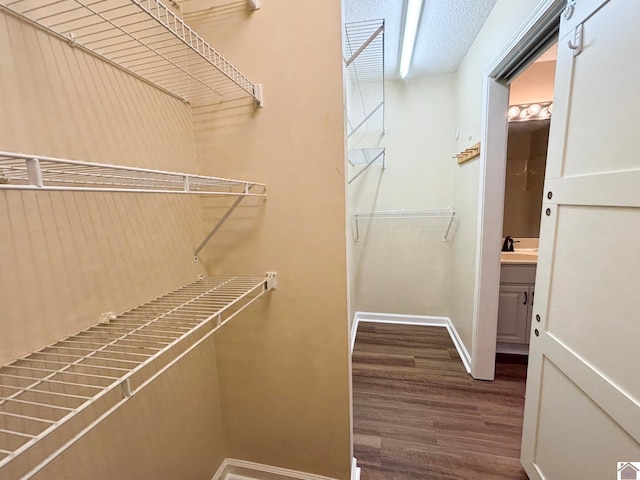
pixel 411 21
pixel 530 111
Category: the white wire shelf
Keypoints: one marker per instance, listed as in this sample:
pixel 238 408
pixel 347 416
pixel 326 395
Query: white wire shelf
pixel 144 37
pixel 401 215
pixel 364 60
pixel 37 172
pixel 364 50
pixel 50 396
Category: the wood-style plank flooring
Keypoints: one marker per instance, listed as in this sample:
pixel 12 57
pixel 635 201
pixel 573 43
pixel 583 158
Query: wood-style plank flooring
pixel 419 415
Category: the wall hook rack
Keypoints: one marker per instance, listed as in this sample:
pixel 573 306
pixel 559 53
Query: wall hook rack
pixel 469 154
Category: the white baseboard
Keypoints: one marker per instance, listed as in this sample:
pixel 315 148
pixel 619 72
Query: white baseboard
pixel 232 469
pixel 424 320
pixel 355 470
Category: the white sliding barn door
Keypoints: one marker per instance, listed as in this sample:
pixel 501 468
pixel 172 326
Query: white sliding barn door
pixel 582 412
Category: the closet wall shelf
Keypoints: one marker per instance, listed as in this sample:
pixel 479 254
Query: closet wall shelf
pixel 37 172
pixel 364 62
pixel 144 37
pixel 53 396
pixel 445 213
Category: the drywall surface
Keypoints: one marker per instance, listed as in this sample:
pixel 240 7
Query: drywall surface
pixel 505 18
pixel 169 430
pixel 284 365
pixel 67 257
pixel 535 84
pixel 403 266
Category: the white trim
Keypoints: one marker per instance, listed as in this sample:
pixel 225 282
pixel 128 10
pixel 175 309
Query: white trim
pixel 423 320
pixel 355 470
pixel 491 195
pixel 233 469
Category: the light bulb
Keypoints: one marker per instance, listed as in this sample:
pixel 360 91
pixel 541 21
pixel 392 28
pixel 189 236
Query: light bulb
pixel 514 112
pixel 533 109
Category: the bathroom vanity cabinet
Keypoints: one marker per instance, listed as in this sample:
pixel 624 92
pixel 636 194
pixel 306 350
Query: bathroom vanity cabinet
pixel 517 295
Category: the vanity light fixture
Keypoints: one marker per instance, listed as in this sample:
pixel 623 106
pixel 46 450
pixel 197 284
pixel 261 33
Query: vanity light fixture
pixel 411 22
pixel 530 111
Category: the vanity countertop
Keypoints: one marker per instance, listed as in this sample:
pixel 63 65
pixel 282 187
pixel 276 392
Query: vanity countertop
pixel 526 256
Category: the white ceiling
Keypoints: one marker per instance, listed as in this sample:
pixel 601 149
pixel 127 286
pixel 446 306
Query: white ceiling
pixel 447 30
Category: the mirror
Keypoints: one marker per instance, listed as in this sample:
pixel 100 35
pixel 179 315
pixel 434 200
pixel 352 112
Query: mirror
pixel 524 184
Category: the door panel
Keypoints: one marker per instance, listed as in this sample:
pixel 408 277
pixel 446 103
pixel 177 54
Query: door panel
pixel 588 298
pixel 564 411
pixel 582 411
pixel 512 313
pixel 604 56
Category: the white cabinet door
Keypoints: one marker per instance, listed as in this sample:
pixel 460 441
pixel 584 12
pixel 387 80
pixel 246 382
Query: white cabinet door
pixel 512 313
pixel 582 411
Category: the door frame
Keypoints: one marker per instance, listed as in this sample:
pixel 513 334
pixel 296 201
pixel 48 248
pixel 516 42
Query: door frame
pixel 493 161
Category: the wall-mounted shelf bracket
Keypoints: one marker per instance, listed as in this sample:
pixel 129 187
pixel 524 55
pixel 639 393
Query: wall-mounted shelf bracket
pixel 272 280
pixel 215 229
pixel 253 4
pixel 370 156
pixel 258 95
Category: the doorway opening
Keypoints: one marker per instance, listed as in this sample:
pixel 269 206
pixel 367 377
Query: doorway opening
pixel 535 36
pixel 529 115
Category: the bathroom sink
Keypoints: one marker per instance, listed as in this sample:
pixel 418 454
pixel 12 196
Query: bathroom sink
pixel 527 256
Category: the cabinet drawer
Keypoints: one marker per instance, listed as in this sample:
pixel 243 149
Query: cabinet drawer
pixel 517 273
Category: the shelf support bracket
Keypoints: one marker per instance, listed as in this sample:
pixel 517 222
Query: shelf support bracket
pixel 355 216
pixel 220 223
pixel 253 4
pixel 446 235
pixel 365 119
pixel 272 281
pixel 366 166
pixel 365 44
pixel 258 95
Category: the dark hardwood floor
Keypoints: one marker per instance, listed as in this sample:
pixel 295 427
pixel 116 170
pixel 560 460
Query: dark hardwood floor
pixel 419 415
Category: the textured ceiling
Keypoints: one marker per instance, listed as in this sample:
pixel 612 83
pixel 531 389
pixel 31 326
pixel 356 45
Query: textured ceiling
pixel 447 30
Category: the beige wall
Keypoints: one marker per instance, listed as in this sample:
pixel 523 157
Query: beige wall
pixel 505 18
pixel 284 367
pixel 402 266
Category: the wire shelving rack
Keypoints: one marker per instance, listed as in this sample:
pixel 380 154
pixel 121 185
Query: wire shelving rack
pixel 364 60
pixel 402 215
pixel 144 37
pixel 25 171
pixel 53 395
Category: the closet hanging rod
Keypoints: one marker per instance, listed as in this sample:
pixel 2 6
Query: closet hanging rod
pixel 37 172
pixel 143 37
